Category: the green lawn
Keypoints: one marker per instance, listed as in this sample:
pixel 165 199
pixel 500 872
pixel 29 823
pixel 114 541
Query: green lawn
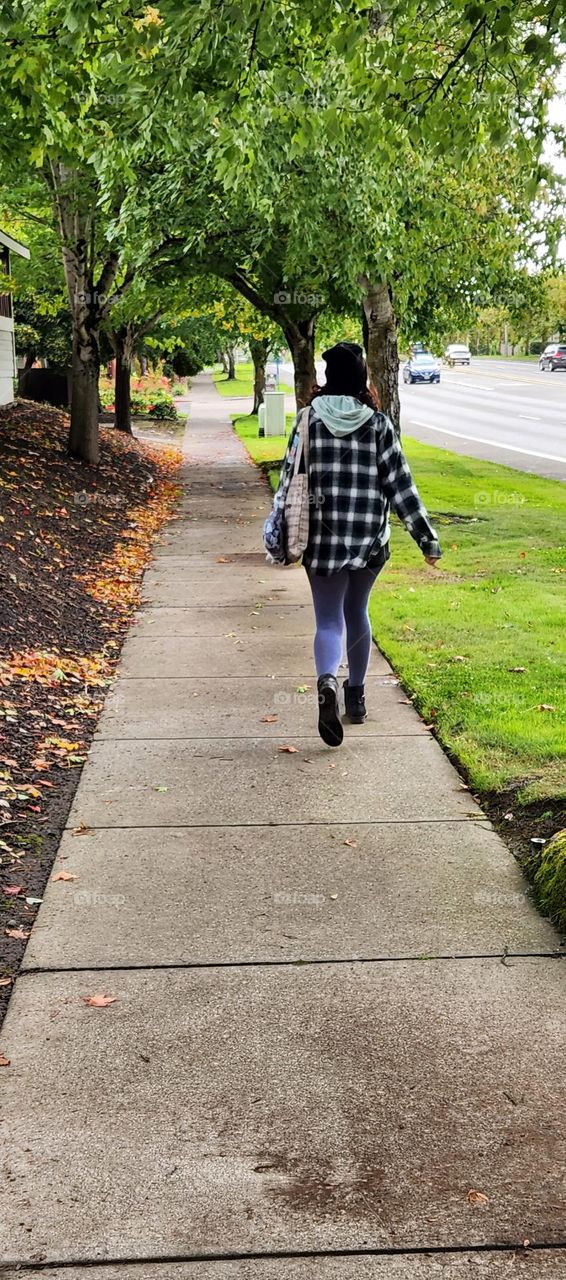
pixel 242 384
pixel 478 642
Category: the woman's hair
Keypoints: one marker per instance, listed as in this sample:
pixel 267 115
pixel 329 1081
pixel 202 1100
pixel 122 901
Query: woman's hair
pixel 369 394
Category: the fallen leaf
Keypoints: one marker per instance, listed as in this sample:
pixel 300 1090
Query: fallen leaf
pixel 269 719
pixel 545 706
pixel 352 844
pixel 82 830
pixel 98 1001
pixel 223 560
pixel 4 1062
pixel 12 890
pixel 508 817
pixel 22 934
pixel 458 657
pixel 64 875
pixel 290 750
pixel 517 669
pixel 6 982
pixel 161 789
pixel 477 1197
pixel 302 688
pixel 333 897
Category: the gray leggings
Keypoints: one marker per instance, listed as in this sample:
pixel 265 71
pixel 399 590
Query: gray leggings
pixel 341 600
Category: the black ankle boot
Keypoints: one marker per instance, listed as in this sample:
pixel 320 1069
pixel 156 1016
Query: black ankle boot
pixel 355 703
pixel 329 722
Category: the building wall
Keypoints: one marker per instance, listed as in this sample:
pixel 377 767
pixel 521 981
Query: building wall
pixel 7 360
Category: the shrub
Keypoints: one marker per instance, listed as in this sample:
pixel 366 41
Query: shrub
pixel 139 402
pixel 550 880
pixel 163 408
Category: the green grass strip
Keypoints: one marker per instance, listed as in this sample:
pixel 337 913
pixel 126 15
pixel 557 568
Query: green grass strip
pixel 478 642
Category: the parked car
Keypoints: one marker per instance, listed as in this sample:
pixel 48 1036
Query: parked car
pixel 553 357
pixel 457 353
pixel 424 367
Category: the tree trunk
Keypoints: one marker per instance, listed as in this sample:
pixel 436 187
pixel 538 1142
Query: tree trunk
pixel 231 363
pixel 300 338
pixel 259 349
pixel 123 343
pixel 380 341
pixel 83 433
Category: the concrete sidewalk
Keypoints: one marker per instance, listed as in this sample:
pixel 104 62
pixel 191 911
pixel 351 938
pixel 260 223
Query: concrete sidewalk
pixel 337 1040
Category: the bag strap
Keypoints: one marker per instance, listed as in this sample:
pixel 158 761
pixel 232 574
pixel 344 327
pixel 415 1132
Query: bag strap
pixel 303 445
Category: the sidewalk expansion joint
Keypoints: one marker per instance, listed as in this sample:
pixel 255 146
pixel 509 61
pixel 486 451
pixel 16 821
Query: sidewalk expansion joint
pixel 503 956
pixel 289 1254
pixel 241 604
pixel 229 826
pixel 100 736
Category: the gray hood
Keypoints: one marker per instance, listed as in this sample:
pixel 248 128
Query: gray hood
pixel 342 414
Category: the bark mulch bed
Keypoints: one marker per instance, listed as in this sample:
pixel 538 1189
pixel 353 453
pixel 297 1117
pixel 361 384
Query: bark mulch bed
pixel 74 543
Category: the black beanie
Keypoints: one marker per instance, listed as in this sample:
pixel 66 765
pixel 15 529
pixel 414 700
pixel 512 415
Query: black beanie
pixel 346 369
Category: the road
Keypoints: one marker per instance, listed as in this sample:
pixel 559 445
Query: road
pixel 501 410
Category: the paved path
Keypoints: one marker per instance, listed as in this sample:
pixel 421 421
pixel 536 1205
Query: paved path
pixel 337 1041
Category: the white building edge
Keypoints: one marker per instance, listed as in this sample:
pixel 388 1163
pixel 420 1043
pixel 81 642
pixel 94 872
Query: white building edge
pixel 7 346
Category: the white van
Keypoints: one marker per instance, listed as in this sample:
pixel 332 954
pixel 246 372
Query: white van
pixel 457 353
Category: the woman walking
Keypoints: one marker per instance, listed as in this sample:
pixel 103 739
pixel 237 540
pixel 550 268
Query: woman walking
pixel 356 471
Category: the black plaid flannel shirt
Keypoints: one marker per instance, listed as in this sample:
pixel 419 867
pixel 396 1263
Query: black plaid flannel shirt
pixel 353 481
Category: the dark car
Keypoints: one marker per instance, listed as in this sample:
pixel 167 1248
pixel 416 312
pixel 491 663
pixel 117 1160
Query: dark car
pixel 423 367
pixel 553 357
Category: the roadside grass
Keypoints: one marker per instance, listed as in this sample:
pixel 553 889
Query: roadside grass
pixel 478 643
pixel 509 358
pixel 243 383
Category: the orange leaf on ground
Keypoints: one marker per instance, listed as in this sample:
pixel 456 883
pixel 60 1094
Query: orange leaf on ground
pixel 477 1197
pixel 290 750
pixel 64 875
pixel 4 1062
pixel 98 1001
pixel 269 719
pixel 22 934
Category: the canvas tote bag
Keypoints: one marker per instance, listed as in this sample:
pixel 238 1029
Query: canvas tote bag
pixel 297 507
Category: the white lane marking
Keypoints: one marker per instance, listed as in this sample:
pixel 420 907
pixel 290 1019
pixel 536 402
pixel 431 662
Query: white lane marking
pixel 527 418
pixel 495 444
